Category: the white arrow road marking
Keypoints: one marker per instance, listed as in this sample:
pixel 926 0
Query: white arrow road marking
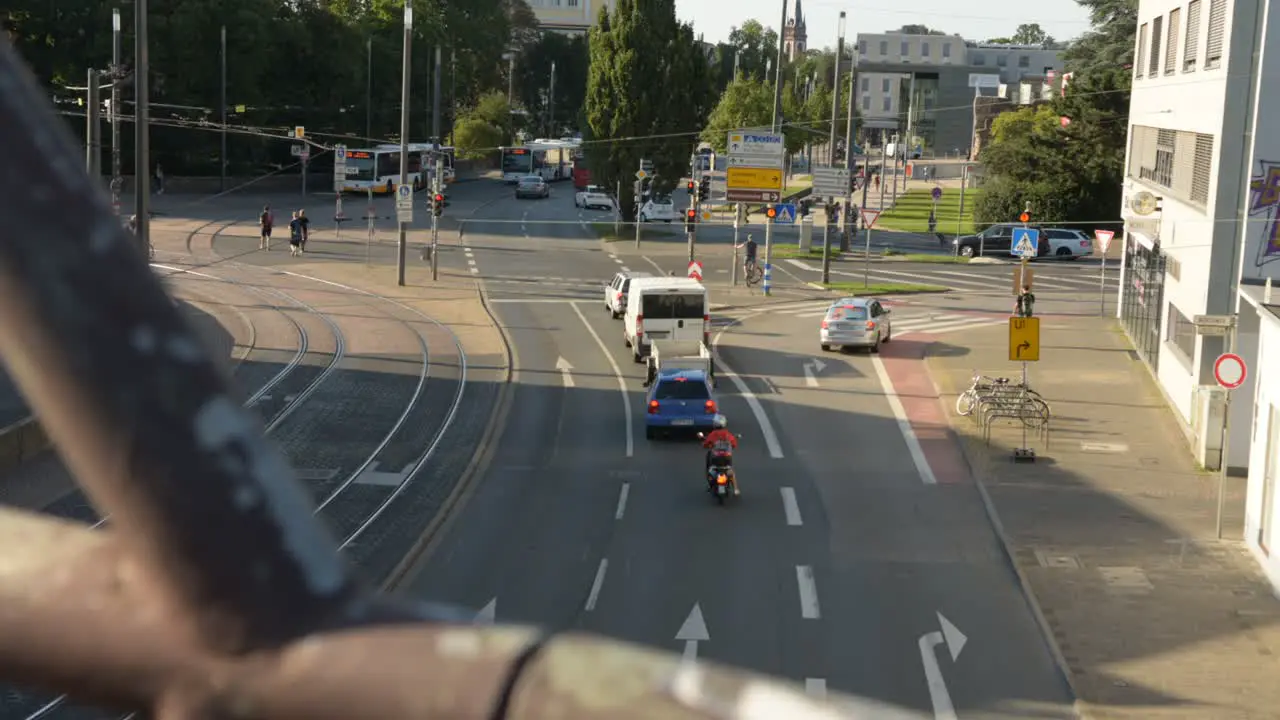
pixel 692 632
pixel 487 613
pixel 566 371
pixel 811 369
pixel 955 641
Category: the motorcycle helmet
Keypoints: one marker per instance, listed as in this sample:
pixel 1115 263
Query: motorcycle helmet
pixel 721 422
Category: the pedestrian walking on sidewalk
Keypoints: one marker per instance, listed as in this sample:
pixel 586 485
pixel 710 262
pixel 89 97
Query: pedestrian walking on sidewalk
pixel 295 236
pixel 265 221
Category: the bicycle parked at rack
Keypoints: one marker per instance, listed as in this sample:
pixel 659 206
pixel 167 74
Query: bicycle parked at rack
pixel 1032 407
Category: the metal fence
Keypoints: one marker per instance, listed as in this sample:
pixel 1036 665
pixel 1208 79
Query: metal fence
pixel 212 591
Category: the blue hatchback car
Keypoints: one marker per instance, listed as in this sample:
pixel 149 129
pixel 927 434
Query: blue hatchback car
pixel 679 400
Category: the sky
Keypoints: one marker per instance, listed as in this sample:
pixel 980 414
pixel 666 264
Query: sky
pixel 1063 19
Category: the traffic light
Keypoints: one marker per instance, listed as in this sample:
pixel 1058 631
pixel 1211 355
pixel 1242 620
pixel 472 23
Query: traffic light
pixel 1024 217
pixel 690 218
pixel 704 189
pixel 771 212
pixel 690 187
pixel 437 205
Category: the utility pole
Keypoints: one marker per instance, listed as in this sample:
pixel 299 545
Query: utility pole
pixel 368 89
pixel 116 60
pixel 93 128
pixel 435 100
pixel 551 104
pixel 453 93
pixel 835 92
pixel 435 221
pixel 141 126
pixel 848 222
pixel 404 137
pixel 222 158
pixel 777 85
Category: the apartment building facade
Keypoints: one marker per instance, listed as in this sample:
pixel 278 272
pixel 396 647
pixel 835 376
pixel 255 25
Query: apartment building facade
pixel 1200 203
pixel 568 16
pixel 926 82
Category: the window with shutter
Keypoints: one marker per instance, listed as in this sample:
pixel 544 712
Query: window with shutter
pixel 1200 173
pixel 1191 49
pixel 1171 42
pixel 1216 36
pixel 1184 164
pixel 1153 63
pixel 1162 167
pixel 1142 52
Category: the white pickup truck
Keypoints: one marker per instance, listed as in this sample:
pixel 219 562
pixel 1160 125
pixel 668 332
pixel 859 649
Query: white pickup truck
pixel 679 355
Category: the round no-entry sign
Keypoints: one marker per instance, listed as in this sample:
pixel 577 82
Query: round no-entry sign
pixel 1229 371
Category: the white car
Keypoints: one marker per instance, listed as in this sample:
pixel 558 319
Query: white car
pixel 593 197
pixel 615 293
pixel 1067 243
pixel 658 209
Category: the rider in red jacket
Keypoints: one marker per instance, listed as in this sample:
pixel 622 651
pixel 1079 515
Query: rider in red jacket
pixel 721 440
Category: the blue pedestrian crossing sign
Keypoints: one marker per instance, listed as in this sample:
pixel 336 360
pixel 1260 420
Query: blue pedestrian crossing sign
pixel 1026 242
pixel 786 214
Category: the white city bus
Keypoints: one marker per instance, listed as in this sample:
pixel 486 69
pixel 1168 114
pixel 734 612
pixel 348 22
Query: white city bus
pixel 378 168
pixel 548 159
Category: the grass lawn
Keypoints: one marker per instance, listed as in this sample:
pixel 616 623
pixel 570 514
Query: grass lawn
pixel 878 288
pixel 925 258
pixel 911 214
pixel 783 252
pixel 606 232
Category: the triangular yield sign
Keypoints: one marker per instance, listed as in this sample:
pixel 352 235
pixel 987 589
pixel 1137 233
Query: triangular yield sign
pixel 869 217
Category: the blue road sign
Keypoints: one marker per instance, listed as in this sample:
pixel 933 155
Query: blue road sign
pixel 786 214
pixel 1026 242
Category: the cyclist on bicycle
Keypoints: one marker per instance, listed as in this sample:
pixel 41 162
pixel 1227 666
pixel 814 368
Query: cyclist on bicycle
pixel 750 245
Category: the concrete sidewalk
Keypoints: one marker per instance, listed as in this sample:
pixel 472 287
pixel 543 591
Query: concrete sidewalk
pixel 1113 532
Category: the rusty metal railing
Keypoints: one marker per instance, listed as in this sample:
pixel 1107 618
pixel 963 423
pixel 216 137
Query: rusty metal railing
pixel 214 592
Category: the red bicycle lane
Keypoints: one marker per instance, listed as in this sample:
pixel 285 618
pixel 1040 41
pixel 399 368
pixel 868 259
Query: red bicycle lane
pixel 906 370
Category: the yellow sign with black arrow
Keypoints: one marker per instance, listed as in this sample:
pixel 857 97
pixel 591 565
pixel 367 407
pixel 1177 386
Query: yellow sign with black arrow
pixel 1024 339
pixel 753 178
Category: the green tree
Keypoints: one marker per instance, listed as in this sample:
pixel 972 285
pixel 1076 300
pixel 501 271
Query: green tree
pixel 533 79
pixel 1030 34
pixel 649 84
pixel 746 103
pixel 476 138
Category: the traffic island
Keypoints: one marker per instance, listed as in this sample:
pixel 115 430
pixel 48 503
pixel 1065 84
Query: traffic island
pixel 1111 531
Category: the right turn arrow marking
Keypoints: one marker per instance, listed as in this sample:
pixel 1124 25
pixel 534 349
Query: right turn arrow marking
pixel 692 632
pixel 950 635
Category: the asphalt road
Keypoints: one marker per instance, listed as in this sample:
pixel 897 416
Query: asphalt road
pixel 840 567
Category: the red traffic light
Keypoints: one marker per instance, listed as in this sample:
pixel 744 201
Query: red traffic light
pixel 439 197
pixel 691 214
pixel 1024 217
pixel 771 212
pixel 690 184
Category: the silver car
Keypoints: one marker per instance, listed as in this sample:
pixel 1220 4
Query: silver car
pixel 532 186
pixel 856 323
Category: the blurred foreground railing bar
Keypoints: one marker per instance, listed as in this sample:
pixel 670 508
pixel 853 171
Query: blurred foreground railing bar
pixel 214 592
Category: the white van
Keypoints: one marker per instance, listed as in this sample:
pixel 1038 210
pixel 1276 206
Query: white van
pixel 665 308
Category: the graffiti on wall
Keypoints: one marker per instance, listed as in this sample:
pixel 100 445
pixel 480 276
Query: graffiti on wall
pixel 1264 212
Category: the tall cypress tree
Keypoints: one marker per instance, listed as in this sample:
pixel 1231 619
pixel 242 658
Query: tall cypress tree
pixel 648 92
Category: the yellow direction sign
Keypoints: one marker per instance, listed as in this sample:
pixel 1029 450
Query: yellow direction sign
pixel 1024 339
pixel 753 178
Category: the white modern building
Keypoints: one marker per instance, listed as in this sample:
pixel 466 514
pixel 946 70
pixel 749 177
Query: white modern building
pixel 1200 209
pixel 568 16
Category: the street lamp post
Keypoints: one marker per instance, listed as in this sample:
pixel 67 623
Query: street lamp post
pixel 141 126
pixel 831 149
pixel 116 60
pixel 404 136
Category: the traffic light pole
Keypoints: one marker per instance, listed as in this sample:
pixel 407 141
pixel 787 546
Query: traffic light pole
pixel 768 256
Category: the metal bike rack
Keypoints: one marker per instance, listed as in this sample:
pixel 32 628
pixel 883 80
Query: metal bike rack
pixel 1011 400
